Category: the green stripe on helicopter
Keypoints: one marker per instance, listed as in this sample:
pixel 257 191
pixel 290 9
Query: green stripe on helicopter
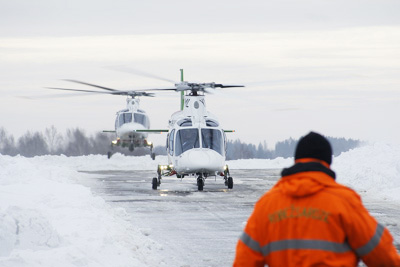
pixel 152 131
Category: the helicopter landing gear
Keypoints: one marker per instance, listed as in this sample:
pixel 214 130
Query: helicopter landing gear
pixel 152 154
pixel 229 182
pixel 227 178
pixel 110 152
pixel 156 182
pixel 200 182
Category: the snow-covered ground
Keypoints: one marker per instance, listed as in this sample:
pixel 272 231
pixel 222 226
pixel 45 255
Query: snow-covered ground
pixel 47 218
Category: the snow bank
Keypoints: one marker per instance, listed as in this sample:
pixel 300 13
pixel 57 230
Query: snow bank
pixel 373 170
pixel 48 219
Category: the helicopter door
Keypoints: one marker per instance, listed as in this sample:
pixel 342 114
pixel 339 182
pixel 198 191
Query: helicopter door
pixel 212 139
pixel 171 142
pixel 186 139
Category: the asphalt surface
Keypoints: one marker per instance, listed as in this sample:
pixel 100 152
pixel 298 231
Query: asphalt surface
pixel 201 228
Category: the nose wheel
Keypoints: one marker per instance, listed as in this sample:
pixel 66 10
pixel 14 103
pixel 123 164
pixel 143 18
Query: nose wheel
pixel 229 182
pixel 200 182
pixel 228 179
pixel 156 182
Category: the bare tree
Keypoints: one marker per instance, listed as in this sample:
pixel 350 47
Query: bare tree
pixel 30 145
pixel 77 143
pixel 7 143
pixel 53 139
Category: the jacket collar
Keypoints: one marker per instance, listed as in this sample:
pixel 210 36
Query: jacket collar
pixel 309 165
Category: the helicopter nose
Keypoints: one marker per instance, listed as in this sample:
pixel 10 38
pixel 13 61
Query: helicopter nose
pixel 201 160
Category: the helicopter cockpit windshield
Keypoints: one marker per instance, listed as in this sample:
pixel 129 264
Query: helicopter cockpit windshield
pixel 127 117
pixel 189 138
pixel 212 139
pixel 141 119
pixel 124 118
pixel 186 139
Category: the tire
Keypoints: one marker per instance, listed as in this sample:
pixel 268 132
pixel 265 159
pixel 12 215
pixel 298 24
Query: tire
pixel 230 182
pixel 154 183
pixel 153 156
pixel 200 184
pixel 109 154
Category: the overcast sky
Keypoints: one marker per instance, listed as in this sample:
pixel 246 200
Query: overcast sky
pixel 327 66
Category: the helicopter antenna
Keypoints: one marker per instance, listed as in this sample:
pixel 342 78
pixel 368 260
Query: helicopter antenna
pixel 182 93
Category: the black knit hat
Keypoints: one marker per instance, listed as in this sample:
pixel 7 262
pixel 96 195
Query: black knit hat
pixel 314 145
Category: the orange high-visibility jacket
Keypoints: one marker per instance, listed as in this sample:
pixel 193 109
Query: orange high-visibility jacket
pixel 307 219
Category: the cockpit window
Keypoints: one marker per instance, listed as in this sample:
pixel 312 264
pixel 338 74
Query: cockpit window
pixel 186 139
pixel 125 118
pixel 212 139
pixel 185 123
pixel 141 119
pixel 137 118
pixel 212 123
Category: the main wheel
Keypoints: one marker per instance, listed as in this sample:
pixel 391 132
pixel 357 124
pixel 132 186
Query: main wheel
pixel 155 183
pixel 153 156
pixel 200 184
pixel 230 182
pixel 109 154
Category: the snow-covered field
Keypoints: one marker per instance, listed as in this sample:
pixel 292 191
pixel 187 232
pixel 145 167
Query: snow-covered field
pixel 47 218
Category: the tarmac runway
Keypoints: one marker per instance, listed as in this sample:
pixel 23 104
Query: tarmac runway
pixel 201 228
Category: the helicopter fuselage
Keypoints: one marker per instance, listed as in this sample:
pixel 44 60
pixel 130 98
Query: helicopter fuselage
pixel 196 144
pixel 128 124
pixel 128 121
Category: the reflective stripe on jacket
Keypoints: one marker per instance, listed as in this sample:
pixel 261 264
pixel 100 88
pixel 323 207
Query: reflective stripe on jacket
pixel 307 219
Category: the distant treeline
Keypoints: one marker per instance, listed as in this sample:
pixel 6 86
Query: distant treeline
pixel 75 142
pixel 285 149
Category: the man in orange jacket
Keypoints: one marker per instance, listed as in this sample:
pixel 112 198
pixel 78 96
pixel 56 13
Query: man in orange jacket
pixel 307 219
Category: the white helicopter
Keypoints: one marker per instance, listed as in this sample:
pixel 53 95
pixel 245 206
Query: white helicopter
pixel 196 143
pixel 131 124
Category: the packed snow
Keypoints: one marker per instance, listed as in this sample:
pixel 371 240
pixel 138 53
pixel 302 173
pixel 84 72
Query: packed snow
pixel 47 218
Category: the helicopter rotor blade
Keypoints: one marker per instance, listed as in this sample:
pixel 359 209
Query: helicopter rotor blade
pixel 140 73
pixel 161 89
pixel 78 90
pixel 90 84
pixel 227 86
pixel 138 93
pixel 115 92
